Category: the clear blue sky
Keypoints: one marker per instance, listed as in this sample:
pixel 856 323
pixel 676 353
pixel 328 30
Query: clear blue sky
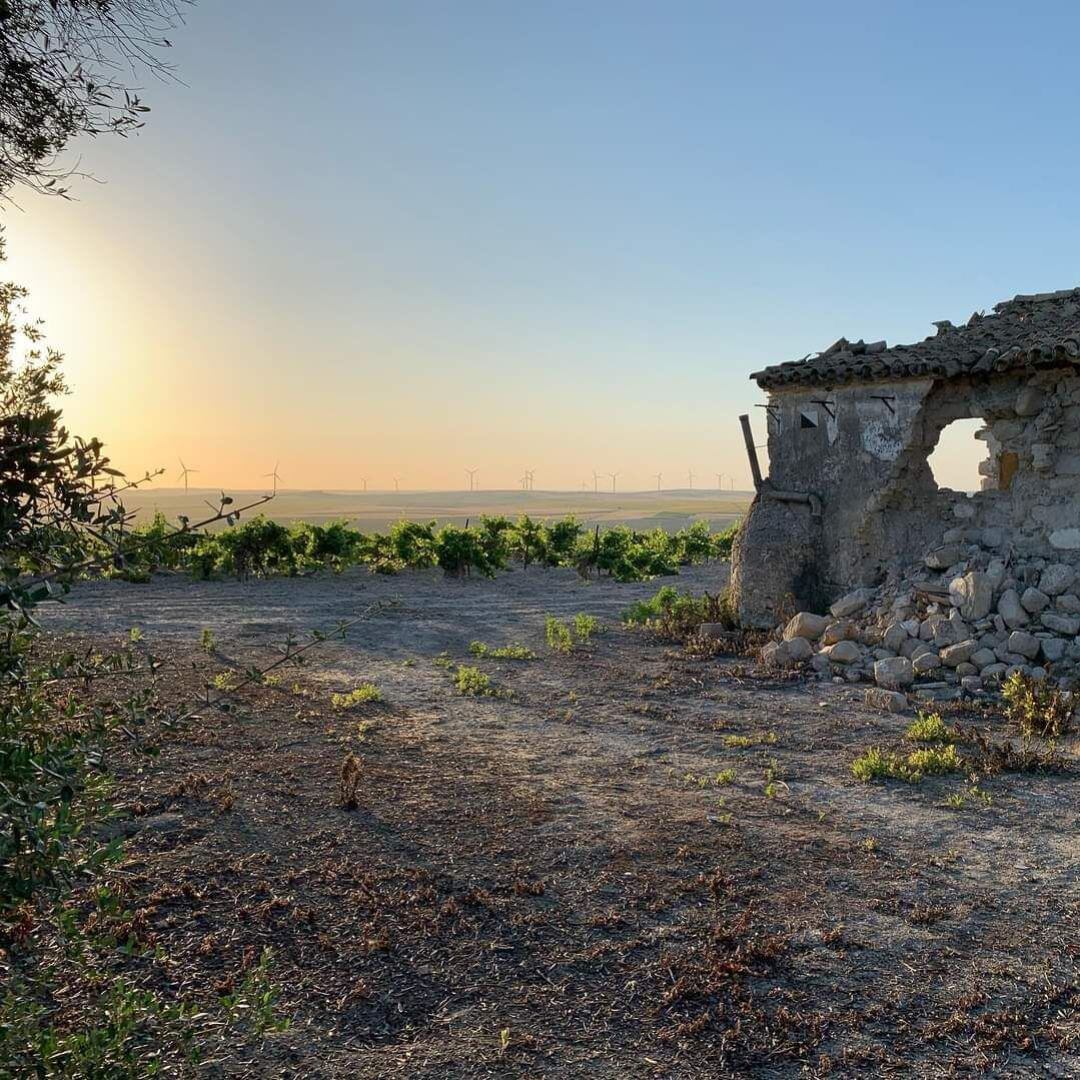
pixel 402 238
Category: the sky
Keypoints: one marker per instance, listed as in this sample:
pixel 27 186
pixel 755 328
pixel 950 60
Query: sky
pixel 403 239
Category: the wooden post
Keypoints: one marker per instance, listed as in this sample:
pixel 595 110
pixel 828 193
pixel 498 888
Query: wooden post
pixel 751 452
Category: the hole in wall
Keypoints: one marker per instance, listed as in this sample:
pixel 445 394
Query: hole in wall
pixel 956 459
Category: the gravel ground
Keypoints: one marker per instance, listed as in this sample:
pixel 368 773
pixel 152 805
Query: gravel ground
pixel 634 860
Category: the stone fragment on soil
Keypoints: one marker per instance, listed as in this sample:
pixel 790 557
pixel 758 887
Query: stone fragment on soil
pixel 973 594
pixel 851 604
pixel 843 652
pixel 806 625
pixel 888 700
pixel 895 673
pixel 1023 644
pixel 1011 610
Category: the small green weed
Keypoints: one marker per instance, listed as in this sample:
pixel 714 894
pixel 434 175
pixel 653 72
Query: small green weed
pixel 585 626
pixel 207 641
pixel 558 635
pixel 742 742
pixel 472 681
pixel 878 764
pixel 364 694
pixel 929 728
pixel 513 651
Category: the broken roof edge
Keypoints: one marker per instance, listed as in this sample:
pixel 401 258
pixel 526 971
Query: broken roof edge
pixel 1037 330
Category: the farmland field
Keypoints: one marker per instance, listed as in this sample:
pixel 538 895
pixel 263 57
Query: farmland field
pixel 633 858
pixel 376 511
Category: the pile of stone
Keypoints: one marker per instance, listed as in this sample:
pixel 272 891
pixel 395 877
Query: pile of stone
pixel 961 622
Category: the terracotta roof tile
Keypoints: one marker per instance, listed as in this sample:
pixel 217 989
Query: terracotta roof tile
pixel 1036 331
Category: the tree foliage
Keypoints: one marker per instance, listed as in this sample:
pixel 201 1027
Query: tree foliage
pixel 65 70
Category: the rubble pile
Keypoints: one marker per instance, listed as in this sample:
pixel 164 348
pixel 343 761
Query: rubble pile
pixel 961 622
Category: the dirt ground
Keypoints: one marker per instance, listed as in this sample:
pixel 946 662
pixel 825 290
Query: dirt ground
pixel 562 880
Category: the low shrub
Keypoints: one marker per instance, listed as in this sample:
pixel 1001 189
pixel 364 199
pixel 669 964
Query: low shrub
pixel 1037 707
pixel 877 764
pixel 678 615
pixel 473 682
pixel 364 694
pixel 929 728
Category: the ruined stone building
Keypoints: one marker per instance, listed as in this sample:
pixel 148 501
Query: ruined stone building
pixel 850 496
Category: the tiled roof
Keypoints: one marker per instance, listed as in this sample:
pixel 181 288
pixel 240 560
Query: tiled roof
pixel 1042 330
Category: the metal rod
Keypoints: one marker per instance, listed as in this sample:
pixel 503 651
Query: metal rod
pixel 751 452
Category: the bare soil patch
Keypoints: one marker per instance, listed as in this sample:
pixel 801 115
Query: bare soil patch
pixel 632 861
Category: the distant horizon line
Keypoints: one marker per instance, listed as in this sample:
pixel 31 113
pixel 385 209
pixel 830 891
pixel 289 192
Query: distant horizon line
pixel 445 491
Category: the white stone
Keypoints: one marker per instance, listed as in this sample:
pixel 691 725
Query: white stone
pixel 1056 579
pixel 973 594
pixel 1053 649
pixel 1069 625
pixel 1024 644
pixel 1034 600
pixel 850 604
pixel 1029 401
pixel 941 558
pixel 895 636
pixel 887 700
pixel 894 674
pixel 959 653
pixel 925 663
pixel 1010 609
pixel 843 652
pixel 1065 539
pixel 806 625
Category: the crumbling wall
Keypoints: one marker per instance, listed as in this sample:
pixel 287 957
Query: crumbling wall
pixel 863 450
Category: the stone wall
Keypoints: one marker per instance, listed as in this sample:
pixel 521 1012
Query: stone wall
pixel 863 450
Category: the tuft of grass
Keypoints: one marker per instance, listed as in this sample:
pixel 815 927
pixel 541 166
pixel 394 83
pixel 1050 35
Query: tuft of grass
pixel 513 651
pixel 876 764
pixel 742 742
pixel 443 661
pixel 224 680
pixel 364 694
pixel 585 626
pixel 135 635
pixel 472 681
pixel 725 777
pixel 207 641
pixel 936 760
pixel 558 635
pixel 929 728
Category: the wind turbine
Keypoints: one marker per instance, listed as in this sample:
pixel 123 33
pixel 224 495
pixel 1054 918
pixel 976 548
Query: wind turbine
pixel 690 474
pixel 595 482
pixel 471 474
pixel 529 475
pixel 397 483
pixel 613 475
pixel 720 481
pixel 659 477
pixel 274 474
pixel 184 471
pixel 363 480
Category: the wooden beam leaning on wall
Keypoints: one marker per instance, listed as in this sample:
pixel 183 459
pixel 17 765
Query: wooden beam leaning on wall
pixel 751 451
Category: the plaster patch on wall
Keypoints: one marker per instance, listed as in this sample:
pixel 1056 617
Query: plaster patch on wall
pixel 832 428
pixel 882 444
